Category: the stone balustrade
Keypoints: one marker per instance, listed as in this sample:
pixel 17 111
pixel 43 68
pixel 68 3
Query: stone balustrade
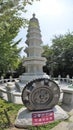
pixel 10 79
pixel 60 79
pixel 15 96
pixel 8 92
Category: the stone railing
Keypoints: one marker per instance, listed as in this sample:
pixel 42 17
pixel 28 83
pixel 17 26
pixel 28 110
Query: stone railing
pixel 67 79
pixel 8 92
pixel 10 79
pixel 61 80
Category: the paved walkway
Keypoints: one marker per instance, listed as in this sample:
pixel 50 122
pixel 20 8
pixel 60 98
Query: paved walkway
pixel 65 125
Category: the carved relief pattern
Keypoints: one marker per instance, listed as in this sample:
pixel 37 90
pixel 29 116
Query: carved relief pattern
pixel 40 94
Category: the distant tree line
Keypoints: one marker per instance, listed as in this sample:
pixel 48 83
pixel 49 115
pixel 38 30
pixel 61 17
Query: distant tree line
pixel 59 55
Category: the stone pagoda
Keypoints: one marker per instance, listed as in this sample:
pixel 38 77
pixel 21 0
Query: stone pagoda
pixel 40 95
pixel 33 62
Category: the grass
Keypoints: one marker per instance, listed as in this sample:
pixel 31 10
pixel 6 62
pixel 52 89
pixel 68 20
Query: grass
pixel 12 113
pixel 45 127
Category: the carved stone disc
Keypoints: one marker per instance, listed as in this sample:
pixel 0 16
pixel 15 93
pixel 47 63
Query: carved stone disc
pixel 40 94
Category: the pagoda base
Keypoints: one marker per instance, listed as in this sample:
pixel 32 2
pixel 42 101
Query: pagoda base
pixel 27 77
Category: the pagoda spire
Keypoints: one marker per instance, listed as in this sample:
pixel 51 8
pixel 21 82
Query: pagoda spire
pixel 33 15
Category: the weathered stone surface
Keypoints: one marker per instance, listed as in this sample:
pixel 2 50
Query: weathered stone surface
pixel 34 62
pixel 40 94
pixel 24 118
pixel 59 113
pixel 66 107
pixel 67 96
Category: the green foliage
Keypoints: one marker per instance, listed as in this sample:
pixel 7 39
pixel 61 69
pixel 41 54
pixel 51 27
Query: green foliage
pixel 62 49
pixel 4 117
pixel 8 112
pixel 60 55
pixel 47 51
pixel 10 24
pixel 9 28
pixel 45 127
pixel 20 69
pixel 9 57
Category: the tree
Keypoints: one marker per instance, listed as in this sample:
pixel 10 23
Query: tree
pixel 62 51
pixel 47 53
pixel 9 53
pixel 60 55
pixel 10 24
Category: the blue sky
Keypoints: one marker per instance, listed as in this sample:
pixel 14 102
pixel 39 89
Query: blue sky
pixel 55 18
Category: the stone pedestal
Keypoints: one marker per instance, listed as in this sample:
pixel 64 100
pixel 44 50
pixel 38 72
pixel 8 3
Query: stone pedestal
pixel 28 118
pixel 25 78
pixel 68 96
pixel 10 87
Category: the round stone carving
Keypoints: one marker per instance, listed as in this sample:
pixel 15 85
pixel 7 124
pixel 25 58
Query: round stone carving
pixel 40 94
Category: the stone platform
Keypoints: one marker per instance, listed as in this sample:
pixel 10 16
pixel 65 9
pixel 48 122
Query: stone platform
pixel 25 118
pixel 67 96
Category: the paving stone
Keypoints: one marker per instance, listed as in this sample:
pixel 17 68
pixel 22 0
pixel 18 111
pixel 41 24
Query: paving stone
pixel 67 108
pixel 70 126
pixel 71 118
pixel 61 126
pixel 64 126
pixel 71 112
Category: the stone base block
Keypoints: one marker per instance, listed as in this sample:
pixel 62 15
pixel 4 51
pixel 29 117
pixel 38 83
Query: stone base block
pixel 68 96
pixel 26 118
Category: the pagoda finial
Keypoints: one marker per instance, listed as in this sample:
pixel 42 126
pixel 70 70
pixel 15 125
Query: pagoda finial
pixel 33 15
